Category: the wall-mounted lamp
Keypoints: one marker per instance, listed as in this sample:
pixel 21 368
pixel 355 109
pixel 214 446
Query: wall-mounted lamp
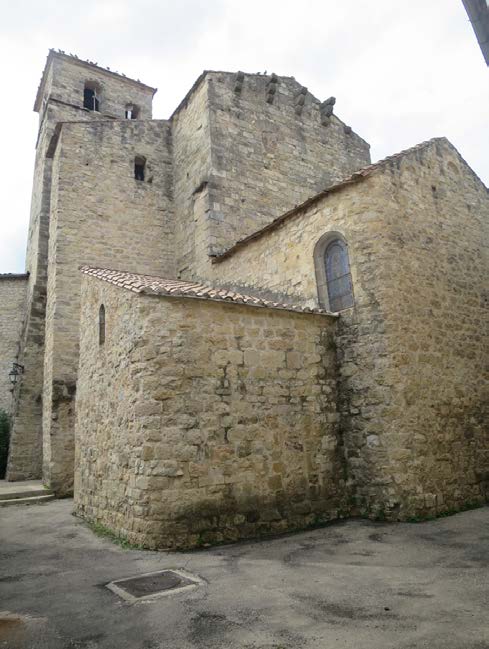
pixel 15 372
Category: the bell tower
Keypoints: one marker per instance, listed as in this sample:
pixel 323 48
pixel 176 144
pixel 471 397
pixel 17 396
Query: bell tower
pixel 71 90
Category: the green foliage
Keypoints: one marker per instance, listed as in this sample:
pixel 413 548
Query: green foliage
pixel 380 516
pixel 4 441
pixel 200 541
pixel 104 532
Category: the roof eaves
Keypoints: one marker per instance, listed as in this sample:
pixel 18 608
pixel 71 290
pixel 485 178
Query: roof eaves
pixel 243 302
pixel 189 290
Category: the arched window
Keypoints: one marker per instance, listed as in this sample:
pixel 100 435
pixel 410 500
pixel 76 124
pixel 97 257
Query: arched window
pixel 139 165
pixel 338 276
pixel 335 289
pixel 101 325
pixel 91 96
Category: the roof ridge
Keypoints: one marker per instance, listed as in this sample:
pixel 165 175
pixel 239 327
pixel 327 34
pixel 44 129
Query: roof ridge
pixel 172 287
pixel 400 154
pixel 360 174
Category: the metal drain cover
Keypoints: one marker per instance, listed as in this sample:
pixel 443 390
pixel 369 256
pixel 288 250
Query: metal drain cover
pixel 154 584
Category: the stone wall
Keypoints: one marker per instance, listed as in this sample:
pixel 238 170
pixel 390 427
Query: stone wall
pixel 25 455
pixel 25 452
pixel 12 306
pixel 238 152
pixel 413 352
pixel 269 152
pixel 64 82
pixel 191 172
pixel 59 99
pixel 281 260
pixel 25 321
pixel 100 215
pixel 229 176
pixel 200 422
pixel 241 161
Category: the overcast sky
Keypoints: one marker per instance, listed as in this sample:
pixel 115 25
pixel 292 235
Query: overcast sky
pixel 402 72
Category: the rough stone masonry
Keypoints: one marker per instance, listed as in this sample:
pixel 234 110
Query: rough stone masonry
pixel 207 393
pixel 12 300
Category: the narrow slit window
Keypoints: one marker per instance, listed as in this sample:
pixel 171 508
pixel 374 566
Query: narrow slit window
pixel 91 97
pixel 139 167
pixel 338 276
pixel 101 325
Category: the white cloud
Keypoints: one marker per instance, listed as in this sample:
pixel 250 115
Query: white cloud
pixel 402 72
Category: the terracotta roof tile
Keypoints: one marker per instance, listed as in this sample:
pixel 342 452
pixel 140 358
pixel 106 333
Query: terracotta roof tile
pixel 152 285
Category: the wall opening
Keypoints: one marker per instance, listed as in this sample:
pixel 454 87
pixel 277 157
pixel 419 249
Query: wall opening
pixel 139 167
pixel 101 325
pixel 91 96
pixel 131 111
pixel 333 274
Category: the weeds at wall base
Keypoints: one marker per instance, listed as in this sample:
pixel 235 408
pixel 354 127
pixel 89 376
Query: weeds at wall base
pixel 381 517
pixel 105 533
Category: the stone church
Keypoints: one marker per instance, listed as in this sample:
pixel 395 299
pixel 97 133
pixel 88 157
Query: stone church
pixel 232 324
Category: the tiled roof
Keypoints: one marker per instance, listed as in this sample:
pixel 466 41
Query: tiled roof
pixel 354 178
pixel 151 285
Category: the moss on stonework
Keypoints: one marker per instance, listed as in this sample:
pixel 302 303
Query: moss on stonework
pixel 382 515
pixel 104 532
pixel 206 539
pixel 445 513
